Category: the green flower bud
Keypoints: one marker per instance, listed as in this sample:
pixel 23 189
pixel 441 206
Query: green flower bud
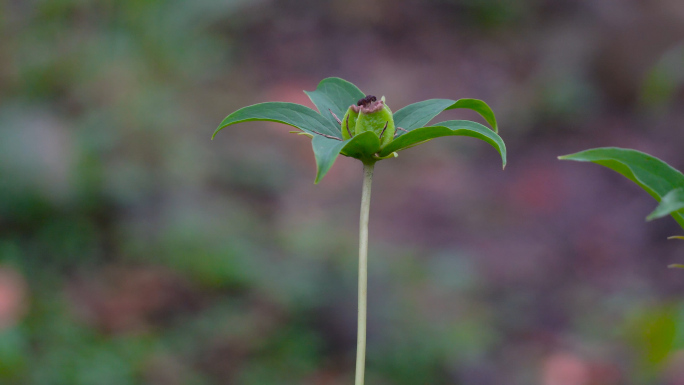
pixel 375 116
pixel 349 123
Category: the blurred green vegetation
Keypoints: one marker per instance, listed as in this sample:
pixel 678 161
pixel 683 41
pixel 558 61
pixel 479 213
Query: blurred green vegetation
pixel 135 251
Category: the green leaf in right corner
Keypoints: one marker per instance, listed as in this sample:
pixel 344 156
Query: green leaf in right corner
pixel 671 202
pixel 448 128
pixel 419 114
pixel 650 173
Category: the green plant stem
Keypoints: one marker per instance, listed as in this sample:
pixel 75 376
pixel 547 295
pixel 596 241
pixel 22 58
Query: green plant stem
pixel 363 272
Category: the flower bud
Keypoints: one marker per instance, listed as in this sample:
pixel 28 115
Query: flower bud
pixel 349 122
pixel 375 116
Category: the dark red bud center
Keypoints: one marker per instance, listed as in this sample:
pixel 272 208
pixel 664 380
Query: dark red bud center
pixel 366 101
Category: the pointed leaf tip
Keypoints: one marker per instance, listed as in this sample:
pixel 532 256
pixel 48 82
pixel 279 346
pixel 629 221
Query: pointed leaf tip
pixel 326 152
pixel 670 203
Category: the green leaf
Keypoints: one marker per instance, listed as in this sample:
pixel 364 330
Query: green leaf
pixel 680 237
pixel 448 128
pixel 676 266
pixel 671 202
pixel 363 146
pixel 336 95
pixel 419 114
pixel 291 114
pixel 326 150
pixel 650 173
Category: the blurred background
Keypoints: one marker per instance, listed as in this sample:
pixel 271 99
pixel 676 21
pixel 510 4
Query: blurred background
pixel 134 250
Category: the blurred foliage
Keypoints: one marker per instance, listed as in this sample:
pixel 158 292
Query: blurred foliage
pixel 135 251
pixel 653 331
pixel 665 79
pixel 496 14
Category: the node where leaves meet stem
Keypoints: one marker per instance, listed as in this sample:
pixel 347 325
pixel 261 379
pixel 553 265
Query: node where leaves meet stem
pixel 363 272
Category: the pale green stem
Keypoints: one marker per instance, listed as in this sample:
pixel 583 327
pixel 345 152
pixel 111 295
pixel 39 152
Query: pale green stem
pixel 363 272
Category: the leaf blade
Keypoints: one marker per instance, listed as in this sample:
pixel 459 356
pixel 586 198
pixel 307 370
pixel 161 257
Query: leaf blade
pixel 419 114
pixel 363 146
pixel 291 114
pixel 671 202
pixel 447 128
pixel 336 95
pixel 650 173
pixel 326 150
